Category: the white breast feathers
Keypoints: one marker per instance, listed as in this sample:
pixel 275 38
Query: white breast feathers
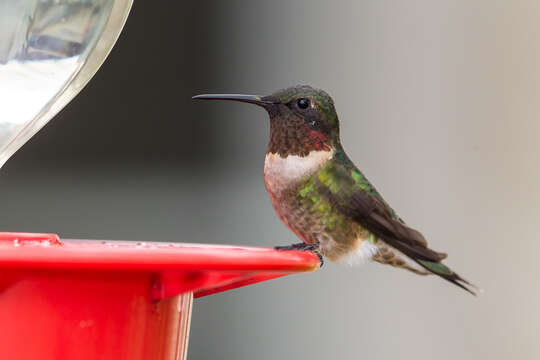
pixel 293 167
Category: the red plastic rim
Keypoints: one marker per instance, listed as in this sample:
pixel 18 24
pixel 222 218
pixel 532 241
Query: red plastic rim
pixel 180 267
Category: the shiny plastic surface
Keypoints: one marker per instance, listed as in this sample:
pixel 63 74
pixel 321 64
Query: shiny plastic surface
pixel 49 50
pixel 80 299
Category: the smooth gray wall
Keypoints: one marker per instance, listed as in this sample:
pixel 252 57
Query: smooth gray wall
pixel 439 103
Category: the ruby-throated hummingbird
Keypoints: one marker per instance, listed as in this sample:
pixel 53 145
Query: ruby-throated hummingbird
pixel 321 195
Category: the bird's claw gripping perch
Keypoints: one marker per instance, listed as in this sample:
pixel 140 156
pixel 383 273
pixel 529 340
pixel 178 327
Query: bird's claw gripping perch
pixel 303 247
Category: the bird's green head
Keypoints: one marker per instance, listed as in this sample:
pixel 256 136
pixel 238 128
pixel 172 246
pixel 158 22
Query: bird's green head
pixel 302 119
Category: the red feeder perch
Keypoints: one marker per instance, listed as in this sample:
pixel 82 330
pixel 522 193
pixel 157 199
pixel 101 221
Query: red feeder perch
pixel 81 299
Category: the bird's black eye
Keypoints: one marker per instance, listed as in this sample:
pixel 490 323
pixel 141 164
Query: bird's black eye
pixel 303 103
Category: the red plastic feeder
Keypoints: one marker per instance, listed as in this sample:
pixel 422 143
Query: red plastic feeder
pixel 82 299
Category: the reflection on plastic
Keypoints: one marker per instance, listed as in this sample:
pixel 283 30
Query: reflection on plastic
pixel 49 49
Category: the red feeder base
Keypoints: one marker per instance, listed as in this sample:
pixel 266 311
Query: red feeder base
pixel 83 300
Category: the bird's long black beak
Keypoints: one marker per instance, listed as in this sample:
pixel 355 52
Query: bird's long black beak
pixel 252 99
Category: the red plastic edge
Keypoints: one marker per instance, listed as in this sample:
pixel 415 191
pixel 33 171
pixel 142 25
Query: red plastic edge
pixel 51 239
pixel 176 267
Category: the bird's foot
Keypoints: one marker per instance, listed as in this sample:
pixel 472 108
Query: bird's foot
pixel 303 247
pixel 299 246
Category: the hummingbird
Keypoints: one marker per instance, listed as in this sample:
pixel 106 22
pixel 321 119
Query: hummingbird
pixel 322 197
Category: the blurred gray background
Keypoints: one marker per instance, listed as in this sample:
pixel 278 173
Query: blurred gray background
pixel 439 103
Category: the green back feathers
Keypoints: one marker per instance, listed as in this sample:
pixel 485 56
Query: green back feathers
pixel 359 180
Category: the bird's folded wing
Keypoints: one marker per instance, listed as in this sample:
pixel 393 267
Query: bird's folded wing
pixel 346 188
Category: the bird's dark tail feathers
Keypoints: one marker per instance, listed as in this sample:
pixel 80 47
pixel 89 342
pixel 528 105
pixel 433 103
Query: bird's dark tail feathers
pixel 446 273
